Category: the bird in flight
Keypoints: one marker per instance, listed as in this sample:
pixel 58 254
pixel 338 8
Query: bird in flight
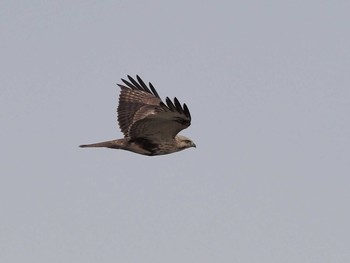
pixel 149 125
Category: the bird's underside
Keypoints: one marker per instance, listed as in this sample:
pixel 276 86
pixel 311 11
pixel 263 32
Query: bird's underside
pixel 150 126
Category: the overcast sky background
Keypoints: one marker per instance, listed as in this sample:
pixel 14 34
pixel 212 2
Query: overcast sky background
pixel 267 84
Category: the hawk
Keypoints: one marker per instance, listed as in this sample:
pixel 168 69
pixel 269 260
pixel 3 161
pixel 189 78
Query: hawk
pixel 149 125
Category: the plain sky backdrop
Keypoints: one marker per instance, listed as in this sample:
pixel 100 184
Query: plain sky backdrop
pixel 267 84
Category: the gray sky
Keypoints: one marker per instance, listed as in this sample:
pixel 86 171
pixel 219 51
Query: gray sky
pixel 267 84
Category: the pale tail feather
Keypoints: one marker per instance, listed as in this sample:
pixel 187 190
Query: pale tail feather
pixel 115 144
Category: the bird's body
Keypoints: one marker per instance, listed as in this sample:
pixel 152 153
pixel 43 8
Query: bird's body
pixel 150 126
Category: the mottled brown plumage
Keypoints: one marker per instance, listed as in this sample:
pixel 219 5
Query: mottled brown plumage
pixel 150 126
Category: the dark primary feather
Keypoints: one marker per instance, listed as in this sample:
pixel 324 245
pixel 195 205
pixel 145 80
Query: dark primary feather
pixel 178 106
pixel 153 89
pixel 141 113
pixel 140 85
pixel 170 106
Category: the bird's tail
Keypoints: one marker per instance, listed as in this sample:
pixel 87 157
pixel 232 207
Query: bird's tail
pixel 115 144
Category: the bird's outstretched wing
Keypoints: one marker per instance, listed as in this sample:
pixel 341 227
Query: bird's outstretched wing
pixel 142 114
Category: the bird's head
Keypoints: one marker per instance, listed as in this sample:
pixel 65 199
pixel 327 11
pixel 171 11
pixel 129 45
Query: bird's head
pixel 184 142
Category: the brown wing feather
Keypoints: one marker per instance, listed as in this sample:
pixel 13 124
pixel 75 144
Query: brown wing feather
pixel 132 98
pixel 162 126
pixel 142 114
pixel 163 123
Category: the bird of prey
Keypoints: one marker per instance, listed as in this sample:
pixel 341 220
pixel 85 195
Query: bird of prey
pixel 149 125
